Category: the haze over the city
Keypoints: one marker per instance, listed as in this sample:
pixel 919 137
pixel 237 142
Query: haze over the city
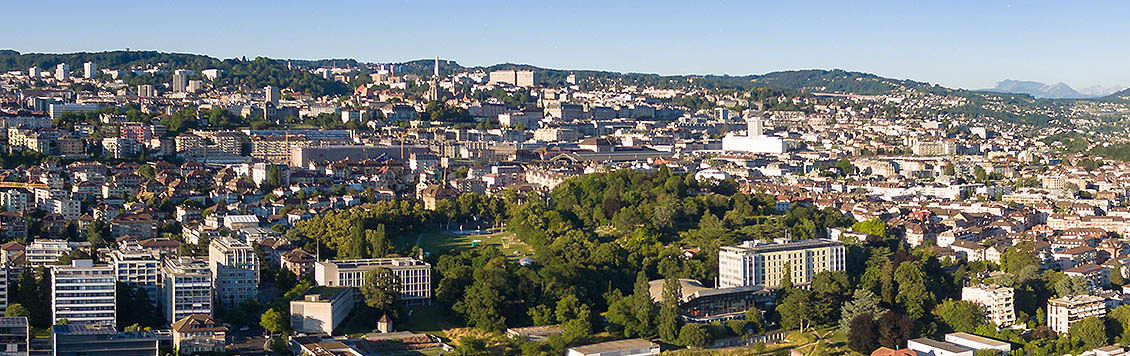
pixel 966 44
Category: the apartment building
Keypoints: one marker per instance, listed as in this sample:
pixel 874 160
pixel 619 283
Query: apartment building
pixel 765 263
pixel 186 288
pixel 137 267
pixel 1064 311
pixel 235 270
pixel 997 302
pixel 83 293
pixel 45 252
pixel 415 275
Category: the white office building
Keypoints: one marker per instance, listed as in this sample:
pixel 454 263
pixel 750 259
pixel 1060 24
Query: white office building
pixel 137 267
pixel 235 270
pixel 931 347
pixel 83 293
pixel 45 252
pixel 755 140
pixel 415 275
pixel 764 263
pixel 186 288
pixel 89 70
pixel 62 71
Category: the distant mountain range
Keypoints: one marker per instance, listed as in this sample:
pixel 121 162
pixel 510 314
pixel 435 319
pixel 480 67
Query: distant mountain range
pixel 1053 91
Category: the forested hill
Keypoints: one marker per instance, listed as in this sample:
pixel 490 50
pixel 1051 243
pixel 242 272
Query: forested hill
pixel 260 72
pixel 255 73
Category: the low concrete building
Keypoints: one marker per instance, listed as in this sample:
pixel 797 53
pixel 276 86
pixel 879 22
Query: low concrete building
pixel 321 309
pixel 629 347
pixel 89 340
pixel 976 342
pixel 931 347
pixel 14 336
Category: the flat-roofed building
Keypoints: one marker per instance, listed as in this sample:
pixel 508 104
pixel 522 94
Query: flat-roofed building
pixel 1065 311
pixel 629 347
pixel 764 263
pixel 101 340
pixel 931 347
pixel 997 302
pixel 235 270
pixel 14 336
pixel 137 267
pixel 415 275
pixel 321 309
pixel 44 252
pixel 977 342
pixel 701 304
pixel 83 293
pixel 186 288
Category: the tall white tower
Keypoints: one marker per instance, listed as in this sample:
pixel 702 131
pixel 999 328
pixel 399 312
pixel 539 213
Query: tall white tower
pixel 755 128
pixel 436 68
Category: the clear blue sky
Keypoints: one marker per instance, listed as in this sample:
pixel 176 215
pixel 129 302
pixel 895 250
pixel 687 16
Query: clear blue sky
pixel 970 44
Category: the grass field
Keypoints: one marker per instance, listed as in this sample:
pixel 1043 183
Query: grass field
pixel 425 319
pixel 442 242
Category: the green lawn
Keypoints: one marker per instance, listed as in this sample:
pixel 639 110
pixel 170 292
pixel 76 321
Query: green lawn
pixel 430 319
pixel 427 319
pixel 442 242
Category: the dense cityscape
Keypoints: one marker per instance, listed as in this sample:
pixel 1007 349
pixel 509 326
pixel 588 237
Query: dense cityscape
pixel 160 203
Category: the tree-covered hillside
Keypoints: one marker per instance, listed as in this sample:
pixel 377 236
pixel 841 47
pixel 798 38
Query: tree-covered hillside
pixel 238 72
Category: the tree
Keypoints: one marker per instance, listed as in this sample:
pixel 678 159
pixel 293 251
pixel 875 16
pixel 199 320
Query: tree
pixel 693 334
pixel 861 335
pixel 801 308
pixel 832 287
pixel 894 330
pixel 15 310
pixel 580 326
pixel 669 310
pixel 960 316
pixel 381 289
pixel 634 315
pixel 754 320
pixel 863 302
pixel 1071 285
pixel 1091 331
pixel 913 295
pixel 274 321
pixel 1116 277
pixel 980 174
pixel 873 227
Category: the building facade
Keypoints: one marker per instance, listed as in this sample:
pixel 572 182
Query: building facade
pixel 765 264
pixel 137 267
pixel 14 336
pixel 101 340
pixel 186 288
pixel 83 293
pixel 321 309
pixel 415 275
pixel 235 270
pixel 997 302
pixel 1064 311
